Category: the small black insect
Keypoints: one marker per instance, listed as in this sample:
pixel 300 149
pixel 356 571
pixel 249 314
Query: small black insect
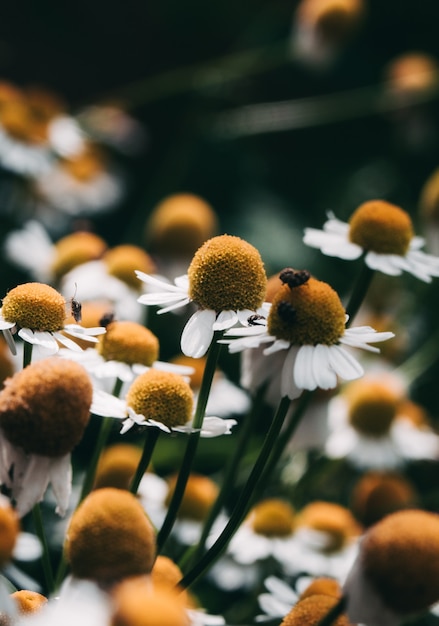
pixel 286 312
pixel 255 320
pixel 106 319
pixel 76 308
pixel 294 278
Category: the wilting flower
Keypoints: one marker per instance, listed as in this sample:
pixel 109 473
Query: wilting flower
pixel 44 410
pixel 307 323
pixel 38 311
pixel 381 231
pixel 226 280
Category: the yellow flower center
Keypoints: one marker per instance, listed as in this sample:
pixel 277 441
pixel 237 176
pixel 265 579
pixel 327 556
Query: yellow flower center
pixel 322 586
pixel 117 466
pixel 308 314
pixel 9 530
pixel 199 496
pixel 372 406
pixel 138 603
pixel 28 601
pixel 310 611
pixel 130 343
pixel 334 520
pixel 45 407
pixel 180 224
pixel 227 274
pixel 376 495
pixel 400 557
pixel 272 518
pixel 381 227
pixel 123 260
pixel 162 396
pixel 110 537
pixel 75 249
pixel 36 306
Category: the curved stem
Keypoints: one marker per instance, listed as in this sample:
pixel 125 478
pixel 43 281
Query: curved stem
pixel 152 436
pixel 359 292
pixel 243 501
pixel 191 447
pixel 45 557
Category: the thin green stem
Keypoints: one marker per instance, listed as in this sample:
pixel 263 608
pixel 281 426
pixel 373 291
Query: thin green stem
pixel 333 613
pixel 27 353
pixel 45 557
pixel 191 446
pixel 359 292
pixel 152 436
pixel 243 501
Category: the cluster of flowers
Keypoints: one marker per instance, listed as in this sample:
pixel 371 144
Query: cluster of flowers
pixel 131 544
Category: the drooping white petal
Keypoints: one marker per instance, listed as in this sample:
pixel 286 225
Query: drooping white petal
pixel 197 335
pixel 361 336
pixel 278 344
pixel 344 364
pixel 303 369
pixel 40 338
pixel 33 483
pixel 225 319
pixel 107 405
pixel 279 589
pixel 288 386
pixel 60 477
pixel 9 340
pixel 332 244
pixel 324 375
pixel 71 345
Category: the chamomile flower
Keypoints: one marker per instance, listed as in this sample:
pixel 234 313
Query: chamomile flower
pixel 381 231
pixel 369 427
pixel 306 324
pixel 38 312
pixel 226 280
pixel 35 443
pixel 161 400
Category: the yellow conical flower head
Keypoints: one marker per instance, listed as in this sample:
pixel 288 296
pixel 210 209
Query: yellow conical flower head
pixel 310 313
pixel 322 586
pixel 272 518
pixel 110 537
pixel 117 466
pixel 377 494
pixel 166 573
pixel 139 603
pixel 28 601
pixel 310 611
pixel 9 530
pixel 227 274
pixel 199 496
pixel 180 224
pixel 400 558
pixel 77 248
pixel 333 519
pixel 381 227
pixel 130 343
pixel 373 405
pixel 123 261
pixel 45 407
pixel 36 306
pixel 161 396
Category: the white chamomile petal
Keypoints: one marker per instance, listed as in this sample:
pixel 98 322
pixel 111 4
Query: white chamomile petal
pixel 198 333
pixel 325 376
pixel 361 336
pixel 67 342
pixel 225 319
pixel 107 405
pixel 344 364
pixel 278 344
pixel 40 338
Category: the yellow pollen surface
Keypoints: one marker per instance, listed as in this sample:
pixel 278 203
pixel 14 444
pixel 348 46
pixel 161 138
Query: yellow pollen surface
pixel 377 494
pixel 199 496
pixel 138 603
pixel 129 342
pixel 110 537
pixel 45 407
pixel 227 274
pixel 36 306
pixel 198 365
pixel 123 260
pixel 162 396
pixel 75 249
pixel 322 586
pixel 400 557
pixel 9 529
pixel 180 224
pixel 28 601
pixel 381 227
pixel 372 406
pixel 272 518
pixel 310 314
pixel 310 611
pixel 333 519
pixel 117 466
pixel 166 573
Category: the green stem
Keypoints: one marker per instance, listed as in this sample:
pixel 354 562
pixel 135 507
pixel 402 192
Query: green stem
pixel 152 436
pixel 191 447
pixel 45 557
pixel 194 553
pixel 243 501
pixel 27 353
pixel 425 356
pixel 333 613
pixel 359 292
